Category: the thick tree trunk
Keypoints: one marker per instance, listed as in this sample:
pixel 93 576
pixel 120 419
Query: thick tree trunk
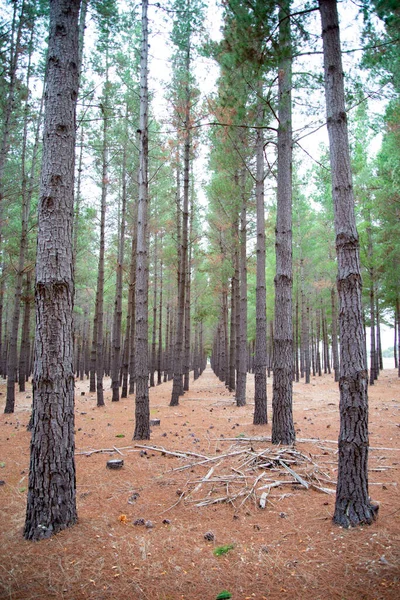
pixel 260 416
pixel 353 505
pixel 282 413
pixel 51 504
pixel 142 407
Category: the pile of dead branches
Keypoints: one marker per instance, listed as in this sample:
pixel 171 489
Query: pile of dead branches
pixel 245 474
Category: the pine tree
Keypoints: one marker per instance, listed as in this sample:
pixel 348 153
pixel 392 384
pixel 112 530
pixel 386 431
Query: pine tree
pixel 353 505
pixel 51 504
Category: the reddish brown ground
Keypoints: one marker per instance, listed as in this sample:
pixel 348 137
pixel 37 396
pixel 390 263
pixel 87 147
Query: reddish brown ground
pixel 289 550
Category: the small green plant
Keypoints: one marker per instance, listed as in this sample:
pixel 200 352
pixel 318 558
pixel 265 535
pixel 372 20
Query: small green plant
pixel 2 465
pixel 224 595
pixel 220 550
pixel 120 435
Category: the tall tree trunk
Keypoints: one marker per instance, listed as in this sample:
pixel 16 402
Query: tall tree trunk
pixel 260 416
pixel 379 356
pixel 186 354
pixel 129 319
pixel 282 413
pixel 15 51
pixel 296 339
pixel 100 350
pixel 242 329
pixel 51 504
pixel 116 335
pixel 142 410
pixel 177 386
pixel 353 505
pixel 160 341
pixel 154 332
pixel 23 244
pixel 232 337
pixel 372 371
pixel 132 300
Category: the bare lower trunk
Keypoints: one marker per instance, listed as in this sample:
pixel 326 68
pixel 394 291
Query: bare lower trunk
pixel 142 408
pixel 242 329
pixel 282 413
pixel 353 505
pixel 51 504
pixel 260 416
pixel 116 337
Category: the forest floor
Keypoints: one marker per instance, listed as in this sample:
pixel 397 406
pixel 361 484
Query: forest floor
pixel 141 530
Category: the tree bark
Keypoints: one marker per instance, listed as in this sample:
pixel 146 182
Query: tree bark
pixel 282 413
pixel 260 416
pixel 116 336
pixel 142 407
pixel 353 505
pixel 242 329
pixel 51 504
pixel 154 336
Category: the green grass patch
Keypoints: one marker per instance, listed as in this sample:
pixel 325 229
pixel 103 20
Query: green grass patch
pixel 224 595
pixel 220 550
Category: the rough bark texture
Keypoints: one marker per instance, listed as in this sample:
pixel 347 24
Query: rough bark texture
pixel 117 321
pixel 51 504
pixel 282 414
pixel 232 337
pixel 142 408
pixel 100 346
pixel 177 386
pixel 260 357
pixel 353 505
pixel 242 328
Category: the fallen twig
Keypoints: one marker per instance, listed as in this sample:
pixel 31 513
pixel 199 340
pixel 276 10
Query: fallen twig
pixel 170 452
pixel 102 450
